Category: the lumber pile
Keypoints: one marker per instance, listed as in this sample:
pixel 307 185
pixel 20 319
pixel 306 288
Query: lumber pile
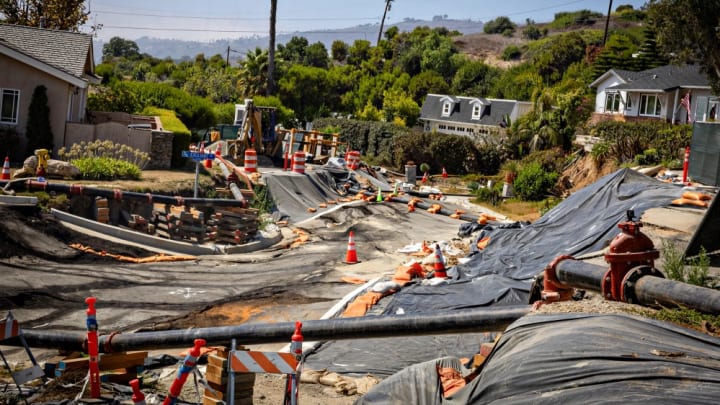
pixel 102 210
pixel 217 378
pixel 236 225
pixel 118 368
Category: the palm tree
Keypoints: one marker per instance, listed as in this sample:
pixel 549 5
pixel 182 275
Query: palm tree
pixel 254 73
pixel 382 22
pixel 271 51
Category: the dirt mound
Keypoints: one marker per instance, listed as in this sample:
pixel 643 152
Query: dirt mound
pixel 583 172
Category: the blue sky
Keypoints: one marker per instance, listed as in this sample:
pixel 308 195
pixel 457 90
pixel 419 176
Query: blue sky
pixel 207 20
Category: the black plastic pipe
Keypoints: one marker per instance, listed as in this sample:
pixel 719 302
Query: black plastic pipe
pixel 77 189
pixel 479 320
pixel 669 293
pixel 648 290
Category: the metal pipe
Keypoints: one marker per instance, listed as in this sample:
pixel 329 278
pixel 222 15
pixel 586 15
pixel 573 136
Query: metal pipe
pixel 116 194
pixel 479 320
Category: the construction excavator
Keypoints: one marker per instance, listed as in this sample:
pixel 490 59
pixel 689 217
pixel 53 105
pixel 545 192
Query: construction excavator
pixel 254 127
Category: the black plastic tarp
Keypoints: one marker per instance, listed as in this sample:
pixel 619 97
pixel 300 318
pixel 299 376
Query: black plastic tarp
pixel 383 357
pixel 294 193
pixel 467 294
pixel 585 222
pixel 576 359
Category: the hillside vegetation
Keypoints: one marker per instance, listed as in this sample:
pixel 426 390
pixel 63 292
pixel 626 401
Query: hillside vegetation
pixel 375 93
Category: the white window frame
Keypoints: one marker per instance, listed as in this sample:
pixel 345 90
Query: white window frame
pixel 477 108
pixel 13 118
pixel 643 107
pixel 613 99
pixel 713 109
pixel 446 109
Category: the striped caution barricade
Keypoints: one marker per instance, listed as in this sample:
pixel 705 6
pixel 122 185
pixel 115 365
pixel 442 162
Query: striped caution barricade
pixel 290 364
pixel 9 328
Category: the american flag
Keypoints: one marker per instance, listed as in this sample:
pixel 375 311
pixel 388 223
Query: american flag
pixel 686 103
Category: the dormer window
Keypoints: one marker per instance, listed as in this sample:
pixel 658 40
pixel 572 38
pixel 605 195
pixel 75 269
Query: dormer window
pixel 476 106
pixel 476 111
pixel 447 106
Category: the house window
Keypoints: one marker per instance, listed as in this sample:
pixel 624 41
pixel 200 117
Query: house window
pixel 612 102
pixel 446 109
pixel 713 107
pixel 476 112
pixel 649 105
pixel 9 106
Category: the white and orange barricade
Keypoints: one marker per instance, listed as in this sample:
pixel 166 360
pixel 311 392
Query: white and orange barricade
pixel 353 159
pixel 250 162
pixel 9 328
pixel 298 162
pixel 290 364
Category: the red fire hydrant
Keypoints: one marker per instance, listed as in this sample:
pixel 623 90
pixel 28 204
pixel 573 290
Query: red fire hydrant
pixel 629 250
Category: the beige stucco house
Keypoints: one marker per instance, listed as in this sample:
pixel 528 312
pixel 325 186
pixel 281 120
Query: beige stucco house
pixel 62 61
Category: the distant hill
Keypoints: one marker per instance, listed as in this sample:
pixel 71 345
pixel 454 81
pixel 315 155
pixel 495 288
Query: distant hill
pixel 179 50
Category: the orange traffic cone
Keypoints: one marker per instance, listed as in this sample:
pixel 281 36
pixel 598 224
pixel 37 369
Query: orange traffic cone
pixel 439 263
pixel 444 174
pixel 218 151
pixel 424 178
pixel 351 257
pixel 6 169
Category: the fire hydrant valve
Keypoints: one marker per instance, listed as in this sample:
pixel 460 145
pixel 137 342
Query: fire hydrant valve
pixel 628 250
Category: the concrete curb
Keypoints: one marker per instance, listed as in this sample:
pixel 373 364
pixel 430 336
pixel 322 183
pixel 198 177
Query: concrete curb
pixel 155 243
pixel 17 200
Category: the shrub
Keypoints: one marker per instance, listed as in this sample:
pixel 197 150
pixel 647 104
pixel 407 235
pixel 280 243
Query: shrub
pixel 9 143
pixel 533 183
pixel 102 168
pixel 105 160
pixel 511 52
pixel 38 130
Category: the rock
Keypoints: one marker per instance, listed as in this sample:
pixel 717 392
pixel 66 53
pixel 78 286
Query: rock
pixel 62 169
pixel 55 169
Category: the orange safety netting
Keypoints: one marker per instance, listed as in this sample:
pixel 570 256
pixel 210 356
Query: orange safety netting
pixel 151 259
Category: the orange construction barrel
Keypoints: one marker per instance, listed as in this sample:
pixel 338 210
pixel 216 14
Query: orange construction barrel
pixel 250 161
pixel 298 164
pixel 353 159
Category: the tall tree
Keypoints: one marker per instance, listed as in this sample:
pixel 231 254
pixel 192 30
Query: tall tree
pixel 382 22
pixel 66 15
pixel 688 31
pixel 271 48
pixel 38 130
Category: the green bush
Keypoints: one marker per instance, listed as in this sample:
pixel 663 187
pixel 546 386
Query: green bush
pixel 511 52
pixel 105 160
pixel 9 143
pixel 625 140
pixel 533 183
pixel 102 168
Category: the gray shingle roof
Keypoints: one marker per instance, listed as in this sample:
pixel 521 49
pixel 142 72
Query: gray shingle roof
pixel 63 50
pixel 492 113
pixel 665 78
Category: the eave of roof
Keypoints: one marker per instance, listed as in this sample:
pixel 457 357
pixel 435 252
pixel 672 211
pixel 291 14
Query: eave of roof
pixel 41 66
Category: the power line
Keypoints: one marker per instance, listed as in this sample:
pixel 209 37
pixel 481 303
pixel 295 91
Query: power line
pixel 237 18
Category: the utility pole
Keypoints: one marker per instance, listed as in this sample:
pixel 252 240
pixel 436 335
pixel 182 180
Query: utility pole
pixel 382 22
pixel 227 58
pixel 607 22
pixel 271 48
